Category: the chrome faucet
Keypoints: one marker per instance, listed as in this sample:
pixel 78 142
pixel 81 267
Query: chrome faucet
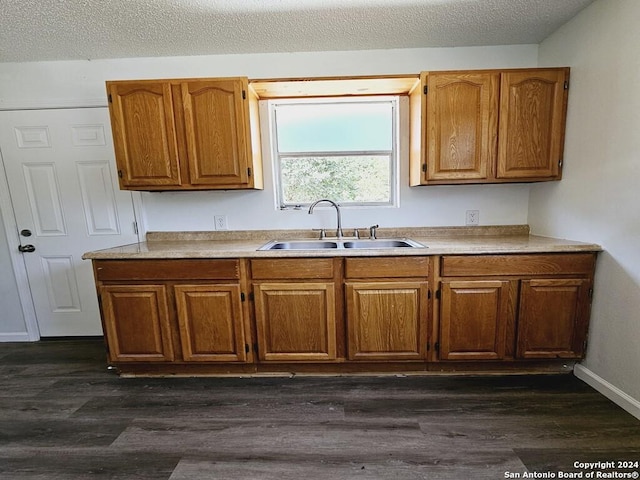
pixel 339 233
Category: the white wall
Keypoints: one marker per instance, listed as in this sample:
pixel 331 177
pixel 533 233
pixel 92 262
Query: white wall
pixel 598 199
pixel 82 82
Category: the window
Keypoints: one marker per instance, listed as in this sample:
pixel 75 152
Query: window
pixel 343 149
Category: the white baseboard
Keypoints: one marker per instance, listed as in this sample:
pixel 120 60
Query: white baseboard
pixel 15 337
pixel 610 391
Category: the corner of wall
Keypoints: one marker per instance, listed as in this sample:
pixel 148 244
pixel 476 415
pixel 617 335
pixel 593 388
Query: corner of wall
pixel 610 391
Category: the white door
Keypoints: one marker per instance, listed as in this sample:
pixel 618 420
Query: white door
pixel 60 170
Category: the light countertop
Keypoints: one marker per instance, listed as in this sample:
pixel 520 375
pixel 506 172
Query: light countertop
pixel 437 240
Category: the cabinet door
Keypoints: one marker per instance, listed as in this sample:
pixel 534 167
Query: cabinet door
pixel 462 125
pixel 387 320
pixel 474 319
pixel 216 132
pixel 553 318
pixel 211 323
pixel 296 321
pixel 532 118
pixel 136 320
pixel 144 133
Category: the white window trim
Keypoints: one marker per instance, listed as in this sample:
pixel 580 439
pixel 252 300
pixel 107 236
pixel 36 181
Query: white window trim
pixel 394 153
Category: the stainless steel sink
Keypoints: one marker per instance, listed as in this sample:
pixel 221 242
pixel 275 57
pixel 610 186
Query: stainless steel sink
pixel 382 243
pixel 299 245
pixel 341 244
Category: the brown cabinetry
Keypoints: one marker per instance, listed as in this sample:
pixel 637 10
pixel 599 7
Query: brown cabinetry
pixel 345 314
pixel 136 323
pixel 488 126
pixel 296 309
pixel 387 308
pixel 474 319
pixel 173 310
pixel 185 134
pixel 209 320
pixel 553 318
pixel 481 308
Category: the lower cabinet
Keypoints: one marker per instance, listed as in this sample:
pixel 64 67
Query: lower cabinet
pixel 344 314
pixel 553 318
pixel 296 309
pixel 136 322
pixel 515 306
pixel 295 321
pixel 387 308
pixel 474 318
pixel 209 319
pixel 386 320
pixel 173 310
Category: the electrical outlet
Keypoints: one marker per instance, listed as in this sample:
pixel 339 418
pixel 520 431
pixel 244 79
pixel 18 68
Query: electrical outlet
pixel 473 217
pixel 220 222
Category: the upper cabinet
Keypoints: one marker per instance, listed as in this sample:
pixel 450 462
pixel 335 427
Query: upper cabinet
pixel 488 126
pixel 186 134
pixel 533 107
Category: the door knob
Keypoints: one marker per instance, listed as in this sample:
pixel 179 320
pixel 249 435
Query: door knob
pixel 27 248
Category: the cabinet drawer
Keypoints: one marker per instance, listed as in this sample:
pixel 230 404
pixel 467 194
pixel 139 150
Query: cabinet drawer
pixel 538 264
pixel 179 269
pixel 387 267
pixel 292 268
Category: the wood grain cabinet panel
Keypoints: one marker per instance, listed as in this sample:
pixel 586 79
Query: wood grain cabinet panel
pixel 488 126
pixel 215 132
pixel 211 323
pixel 136 320
pixel 546 313
pixel 387 320
pixel 296 321
pixel 474 319
pixel 553 318
pixel 462 125
pixel 186 134
pixel 144 133
pixel 532 117
pixel 386 267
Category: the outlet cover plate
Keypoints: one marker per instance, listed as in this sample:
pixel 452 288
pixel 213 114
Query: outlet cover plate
pixel 220 222
pixel 473 217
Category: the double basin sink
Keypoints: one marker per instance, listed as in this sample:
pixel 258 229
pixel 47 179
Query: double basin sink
pixel 341 244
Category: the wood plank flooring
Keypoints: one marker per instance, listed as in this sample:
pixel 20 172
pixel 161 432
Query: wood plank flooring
pixel 64 416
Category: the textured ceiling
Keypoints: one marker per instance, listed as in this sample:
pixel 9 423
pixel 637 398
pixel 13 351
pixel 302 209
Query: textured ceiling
pixel 33 30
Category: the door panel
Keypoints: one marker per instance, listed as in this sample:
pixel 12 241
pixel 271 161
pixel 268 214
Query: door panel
pixel 462 125
pixel 144 133
pixel 553 318
pixel 531 136
pixel 215 132
pixel 387 320
pixel 211 324
pixel 474 319
pixel 41 184
pixel 136 318
pixel 296 321
pixel 60 171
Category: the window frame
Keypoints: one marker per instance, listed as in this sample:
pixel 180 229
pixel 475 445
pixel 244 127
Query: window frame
pixel 393 154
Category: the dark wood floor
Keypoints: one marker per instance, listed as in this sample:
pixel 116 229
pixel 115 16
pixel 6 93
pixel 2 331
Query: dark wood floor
pixel 63 416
